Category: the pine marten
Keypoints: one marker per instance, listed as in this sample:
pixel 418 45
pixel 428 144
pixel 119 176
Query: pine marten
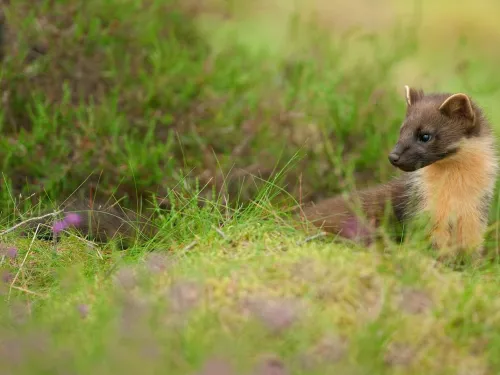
pixel 446 150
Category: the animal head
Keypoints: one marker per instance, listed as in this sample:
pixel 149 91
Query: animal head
pixel 433 129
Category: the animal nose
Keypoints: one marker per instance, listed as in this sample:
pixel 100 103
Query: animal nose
pixel 393 157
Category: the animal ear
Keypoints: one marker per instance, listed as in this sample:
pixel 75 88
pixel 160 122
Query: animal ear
pixel 457 105
pixel 412 95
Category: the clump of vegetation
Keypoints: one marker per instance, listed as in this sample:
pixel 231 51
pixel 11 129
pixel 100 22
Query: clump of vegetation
pixel 109 106
pixel 259 296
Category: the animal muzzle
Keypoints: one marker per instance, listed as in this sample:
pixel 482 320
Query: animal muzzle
pixel 399 158
pixel 395 154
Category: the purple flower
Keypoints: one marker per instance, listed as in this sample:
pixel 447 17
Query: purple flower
pixel 355 230
pixel 59 226
pixel 73 219
pixel 7 277
pixel 11 252
pixel 83 309
pixel 70 219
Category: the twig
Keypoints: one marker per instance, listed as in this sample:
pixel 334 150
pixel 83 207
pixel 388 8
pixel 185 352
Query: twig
pixel 29 220
pixel 220 232
pixel 311 238
pixel 89 243
pixel 305 240
pixel 24 261
pixel 28 291
pixel 300 197
pixel 189 246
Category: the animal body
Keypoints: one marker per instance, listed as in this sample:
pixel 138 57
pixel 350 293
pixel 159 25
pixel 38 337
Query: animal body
pixel 447 152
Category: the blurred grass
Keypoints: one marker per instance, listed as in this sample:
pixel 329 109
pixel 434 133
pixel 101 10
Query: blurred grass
pixel 143 110
pixel 243 107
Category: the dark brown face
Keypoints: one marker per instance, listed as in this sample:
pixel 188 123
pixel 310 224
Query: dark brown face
pixel 433 127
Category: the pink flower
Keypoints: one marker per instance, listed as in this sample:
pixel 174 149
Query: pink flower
pixel 7 277
pixel 6 251
pixel 73 219
pixel 12 252
pixel 59 226
pixel 70 219
pixel 357 231
pixel 83 309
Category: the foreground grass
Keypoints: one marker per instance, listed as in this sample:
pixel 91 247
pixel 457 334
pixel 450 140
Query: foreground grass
pixel 252 293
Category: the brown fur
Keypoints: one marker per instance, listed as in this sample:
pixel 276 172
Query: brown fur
pixel 447 149
pixel 366 206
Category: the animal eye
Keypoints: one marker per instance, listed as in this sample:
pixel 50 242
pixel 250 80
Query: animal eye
pixel 424 137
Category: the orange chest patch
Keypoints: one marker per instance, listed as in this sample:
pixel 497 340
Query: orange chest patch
pixel 454 188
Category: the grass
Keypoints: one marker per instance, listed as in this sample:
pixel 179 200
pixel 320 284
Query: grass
pixel 139 101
